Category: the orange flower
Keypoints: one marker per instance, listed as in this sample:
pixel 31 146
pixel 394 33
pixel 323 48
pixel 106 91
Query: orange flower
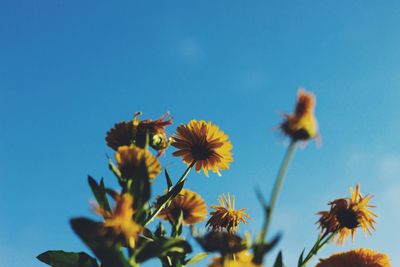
pixel 356 258
pixel 225 215
pixel 204 143
pixel 191 204
pixel 130 158
pixel 120 219
pixel 301 125
pixel 348 214
pixel 135 132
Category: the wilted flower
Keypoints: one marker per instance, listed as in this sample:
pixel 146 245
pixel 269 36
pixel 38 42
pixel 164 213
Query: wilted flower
pixel 130 158
pixel 120 219
pixel 204 143
pixel 136 131
pixel 240 259
pixel 356 258
pixel 348 214
pixel 192 206
pixel 225 216
pixel 301 125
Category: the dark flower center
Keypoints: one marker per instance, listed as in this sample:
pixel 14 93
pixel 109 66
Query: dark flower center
pixel 201 151
pixel 347 218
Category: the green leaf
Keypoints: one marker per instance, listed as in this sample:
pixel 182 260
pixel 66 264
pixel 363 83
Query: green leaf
pixel 101 241
pixel 300 261
pixel 169 181
pixel 196 258
pixel 260 250
pixel 279 261
pixel 163 247
pixel 59 258
pixel 99 193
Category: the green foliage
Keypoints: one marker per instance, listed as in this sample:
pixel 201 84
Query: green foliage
pixel 162 247
pixel 279 260
pixel 99 193
pixel 101 241
pixel 59 258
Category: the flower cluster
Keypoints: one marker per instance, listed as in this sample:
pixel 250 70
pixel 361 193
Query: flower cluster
pixel 133 229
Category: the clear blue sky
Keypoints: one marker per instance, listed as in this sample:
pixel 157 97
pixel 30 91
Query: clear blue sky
pixel 70 69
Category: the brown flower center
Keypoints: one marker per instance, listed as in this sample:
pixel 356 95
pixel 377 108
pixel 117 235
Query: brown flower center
pixel 347 218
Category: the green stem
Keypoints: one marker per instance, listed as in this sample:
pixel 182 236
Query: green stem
pixel 277 187
pixel 321 242
pixel 171 194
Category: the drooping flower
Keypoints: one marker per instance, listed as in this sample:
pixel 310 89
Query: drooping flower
pixel 192 206
pixel 301 125
pixel 356 258
pixel 136 131
pixel 225 216
pixel 120 219
pixel 240 259
pixel 348 214
pixel 204 143
pixel 130 159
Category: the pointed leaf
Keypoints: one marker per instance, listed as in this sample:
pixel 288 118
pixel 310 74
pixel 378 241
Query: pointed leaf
pixel 169 181
pixel 99 193
pixel 300 261
pixel 59 258
pixel 279 261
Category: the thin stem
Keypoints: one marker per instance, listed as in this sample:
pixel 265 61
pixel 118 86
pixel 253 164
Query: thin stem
pixel 277 187
pixel 317 247
pixel 171 194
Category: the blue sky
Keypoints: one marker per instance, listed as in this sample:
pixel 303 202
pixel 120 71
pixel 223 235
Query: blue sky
pixel 71 69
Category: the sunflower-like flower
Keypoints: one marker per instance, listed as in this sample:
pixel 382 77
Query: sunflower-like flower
pixel 225 216
pixel 240 259
pixel 204 143
pixel 136 131
pixel 356 258
pixel 191 204
pixel 348 214
pixel 120 219
pixel 130 159
pixel 301 125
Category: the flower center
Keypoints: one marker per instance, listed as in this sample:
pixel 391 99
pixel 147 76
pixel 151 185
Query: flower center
pixel 201 151
pixel 348 218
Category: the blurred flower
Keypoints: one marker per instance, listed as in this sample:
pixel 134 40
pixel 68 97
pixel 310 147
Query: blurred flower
pixel 222 242
pixel 205 144
pixel 301 125
pixel 240 259
pixel 120 219
pixel 121 135
pixel 130 158
pixel 225 215
pixel 356 258
pixel 136 131
pixel 348 214
pixel 191 204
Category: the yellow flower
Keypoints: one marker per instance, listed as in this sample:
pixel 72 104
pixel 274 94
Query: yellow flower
pixel 120 219
pixel 348 214
pixel 191 204
pixel 356 258
pixel 204 143
pixel 225 215
pixel 130 158
pixel 240 259
pixel 135 132
pixel 301 125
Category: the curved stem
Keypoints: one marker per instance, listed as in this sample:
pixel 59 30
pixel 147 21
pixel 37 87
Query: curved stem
pixel 277 187
pixel 171 194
